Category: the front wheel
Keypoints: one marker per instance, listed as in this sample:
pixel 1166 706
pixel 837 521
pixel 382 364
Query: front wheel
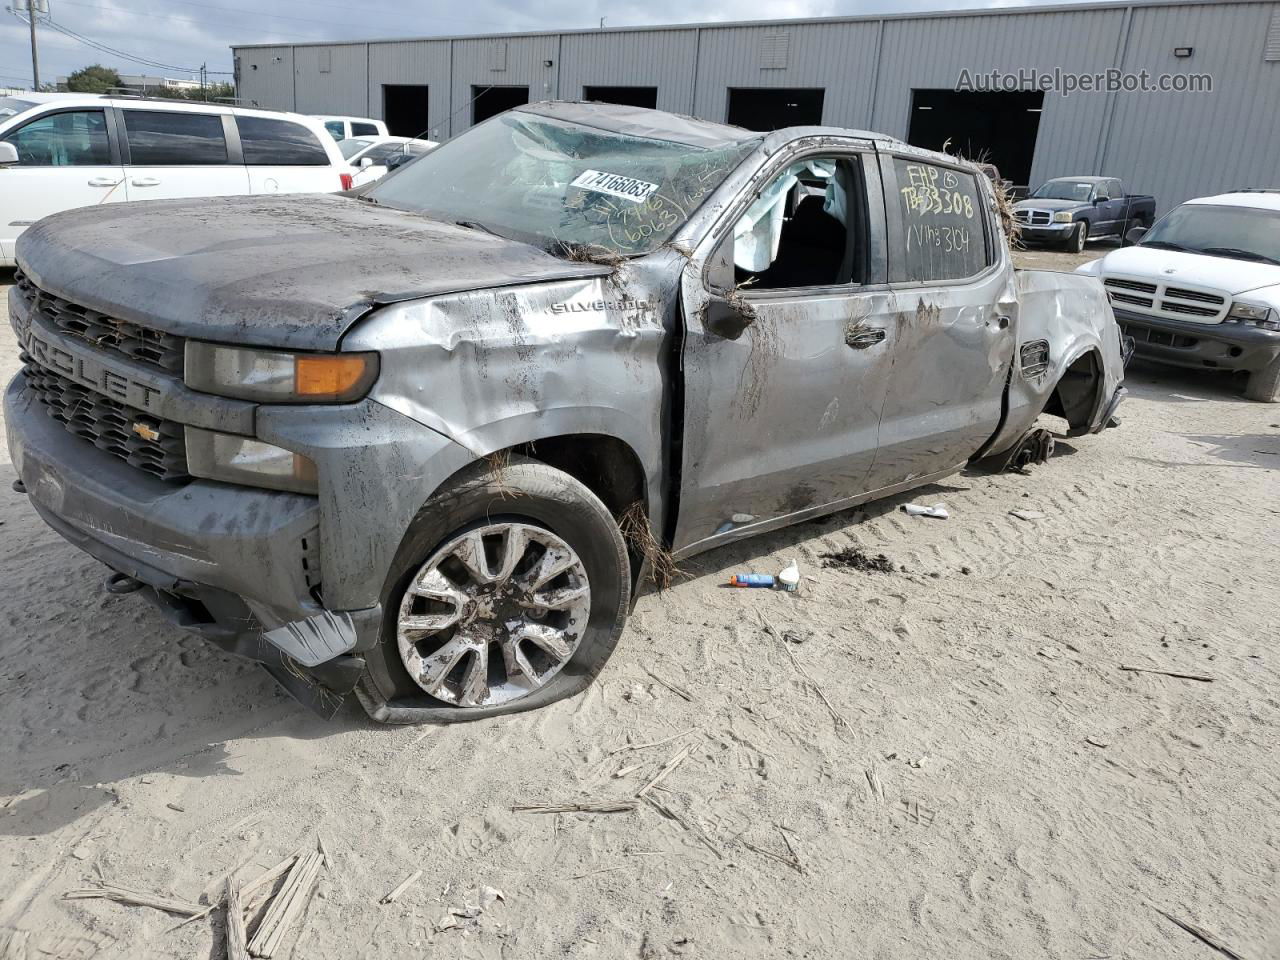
pixel 509 592
pixel 1076 240
pixel 1264 385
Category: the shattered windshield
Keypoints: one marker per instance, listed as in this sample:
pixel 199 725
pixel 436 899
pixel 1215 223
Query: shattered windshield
pixel 562 185
pixel 1064 190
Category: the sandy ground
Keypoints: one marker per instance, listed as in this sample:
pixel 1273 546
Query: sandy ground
pixel 1030 798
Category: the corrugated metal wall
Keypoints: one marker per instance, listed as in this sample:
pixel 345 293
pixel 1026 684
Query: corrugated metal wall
pixel 1180 145
pixel 838 57
pixel 1175 145
pixel 662 58
pixel 422 62
pixel 931 54
pixel 330 79
pixel 516 61
pixel 266 76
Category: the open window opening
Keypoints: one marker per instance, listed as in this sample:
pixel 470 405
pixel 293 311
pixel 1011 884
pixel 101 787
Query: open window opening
pixel 807 228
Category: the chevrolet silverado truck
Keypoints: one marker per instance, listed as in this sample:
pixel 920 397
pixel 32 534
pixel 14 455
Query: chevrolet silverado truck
pixel 580 341
pixel 1070 211
pixel 1201 288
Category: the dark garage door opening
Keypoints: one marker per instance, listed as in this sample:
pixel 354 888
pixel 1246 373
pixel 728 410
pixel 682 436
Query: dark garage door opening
pixel 488 102
pixel 404 109
pixel 627 96
pixel 997 128
pixel 772 109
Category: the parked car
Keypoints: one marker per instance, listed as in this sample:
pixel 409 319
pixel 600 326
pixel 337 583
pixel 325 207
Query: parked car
pixel 579 341
pixel 340 128
pixel 371 158
pixel 1202 288
pixel 63 151
pixel 1069 211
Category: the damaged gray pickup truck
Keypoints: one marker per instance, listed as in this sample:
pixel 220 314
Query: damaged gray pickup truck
pixel 421 444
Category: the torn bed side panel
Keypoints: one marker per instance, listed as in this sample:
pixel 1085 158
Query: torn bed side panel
pixel 495 368
pixel 1060 318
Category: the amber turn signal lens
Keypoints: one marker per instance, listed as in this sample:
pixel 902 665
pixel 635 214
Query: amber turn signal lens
pixel 330 377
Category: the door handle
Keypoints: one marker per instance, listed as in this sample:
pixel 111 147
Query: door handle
pixel 145 182
pixel 862 339
pixel 103 182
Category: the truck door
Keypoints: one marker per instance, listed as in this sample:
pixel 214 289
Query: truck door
pixel 1118 207
pixel 781 416
pixel 953 332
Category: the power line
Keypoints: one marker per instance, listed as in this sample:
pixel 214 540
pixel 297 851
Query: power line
pixel 105 48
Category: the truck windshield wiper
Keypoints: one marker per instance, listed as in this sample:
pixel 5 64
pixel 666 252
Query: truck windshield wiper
pixel 368 199
pixel 1163 245
pixel 1239 254
pixel 474 225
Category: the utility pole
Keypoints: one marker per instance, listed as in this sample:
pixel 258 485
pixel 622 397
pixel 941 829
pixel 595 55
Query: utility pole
pixel 35 57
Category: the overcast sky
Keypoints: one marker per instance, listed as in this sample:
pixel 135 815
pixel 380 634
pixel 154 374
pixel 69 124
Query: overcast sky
pixel 187 33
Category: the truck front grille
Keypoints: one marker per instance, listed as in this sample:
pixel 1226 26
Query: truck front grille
pixel 1190 304
pixel 140 439
pixel 1116 283
pixel 1201 296
pixel 158 349
pixel 1035 218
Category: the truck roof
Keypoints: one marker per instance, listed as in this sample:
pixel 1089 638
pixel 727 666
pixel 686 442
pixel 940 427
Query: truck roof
pixel 673 127
pixel 1257 200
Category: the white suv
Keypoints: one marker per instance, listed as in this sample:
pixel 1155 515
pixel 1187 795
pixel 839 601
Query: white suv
pixel 1202 287
pixel 59 151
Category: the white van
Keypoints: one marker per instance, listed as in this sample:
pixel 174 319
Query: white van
pixel 340 128
pixel 61 151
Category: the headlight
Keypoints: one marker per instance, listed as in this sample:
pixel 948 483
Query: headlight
pixel 1062 216
pixel 1255 314
pixel 236 459
pixel 273 376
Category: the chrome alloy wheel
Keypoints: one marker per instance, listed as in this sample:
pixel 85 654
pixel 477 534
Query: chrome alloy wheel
pixel 493 614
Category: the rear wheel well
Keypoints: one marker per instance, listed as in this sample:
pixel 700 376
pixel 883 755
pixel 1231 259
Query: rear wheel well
pixel 1078 391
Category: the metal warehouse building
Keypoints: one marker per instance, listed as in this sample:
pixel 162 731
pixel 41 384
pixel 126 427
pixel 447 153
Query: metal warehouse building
pixel 896 74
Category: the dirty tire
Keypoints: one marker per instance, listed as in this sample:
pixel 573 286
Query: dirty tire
pixel 529 492
pixel 1264 385
pixel 1078 237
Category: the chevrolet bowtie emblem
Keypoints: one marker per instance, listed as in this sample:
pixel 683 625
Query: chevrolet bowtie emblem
pixel 146 432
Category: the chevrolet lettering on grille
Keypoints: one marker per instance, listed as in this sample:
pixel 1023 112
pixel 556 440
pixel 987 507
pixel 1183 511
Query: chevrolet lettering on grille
pixel 91 373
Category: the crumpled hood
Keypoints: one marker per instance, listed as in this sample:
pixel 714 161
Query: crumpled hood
pixel 1031 204
pixel 1195 269
pixel 282 271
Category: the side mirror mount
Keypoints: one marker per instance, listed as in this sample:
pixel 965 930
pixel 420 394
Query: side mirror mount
pixel 1134 235
pixel 8 154
pixel 727 317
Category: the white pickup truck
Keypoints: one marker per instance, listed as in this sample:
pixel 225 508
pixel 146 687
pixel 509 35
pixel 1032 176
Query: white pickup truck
pixel 1201 288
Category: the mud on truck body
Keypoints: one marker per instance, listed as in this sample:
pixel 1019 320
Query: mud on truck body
pixel 579 340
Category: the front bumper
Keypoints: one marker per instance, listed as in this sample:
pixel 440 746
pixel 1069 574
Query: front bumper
pixel 225 562
pixel 1219 346
pixel 1051 233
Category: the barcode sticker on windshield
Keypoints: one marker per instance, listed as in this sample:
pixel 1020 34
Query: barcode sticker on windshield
pixel 616 185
